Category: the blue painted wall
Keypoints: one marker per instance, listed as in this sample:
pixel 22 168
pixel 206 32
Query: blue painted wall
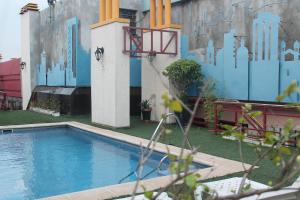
pixel 56 75
pixel 135 72
pixel 261 79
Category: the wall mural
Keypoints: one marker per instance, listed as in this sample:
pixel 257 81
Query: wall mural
pixel 259 77
pixel 76 70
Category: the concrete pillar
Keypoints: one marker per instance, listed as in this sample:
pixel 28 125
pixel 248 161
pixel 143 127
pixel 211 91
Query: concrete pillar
pixel 30 46
pixel 102 11
pixel 154 84
pixel 108 9
pixel 160 10
pixel 152 13
pixel 168 13
pixel 116 9
pixel 110 77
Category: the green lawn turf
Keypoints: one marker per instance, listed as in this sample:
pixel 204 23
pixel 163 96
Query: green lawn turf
pixel 207 141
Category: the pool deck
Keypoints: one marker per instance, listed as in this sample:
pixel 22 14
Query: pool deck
pixel 220 166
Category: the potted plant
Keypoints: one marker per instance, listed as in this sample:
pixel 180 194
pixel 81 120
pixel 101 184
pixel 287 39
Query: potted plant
pixel 146 110
pixel 183 74
pixel 209 98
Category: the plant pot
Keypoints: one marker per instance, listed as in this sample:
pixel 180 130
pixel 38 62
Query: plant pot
pixel 146 115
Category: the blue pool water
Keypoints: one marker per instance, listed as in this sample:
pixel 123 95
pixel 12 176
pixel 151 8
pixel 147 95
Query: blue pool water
pixel 37 163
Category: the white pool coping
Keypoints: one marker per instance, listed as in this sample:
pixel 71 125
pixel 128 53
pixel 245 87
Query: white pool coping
pixel 220 166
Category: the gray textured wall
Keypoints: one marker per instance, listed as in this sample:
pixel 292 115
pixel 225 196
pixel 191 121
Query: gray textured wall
pixel 210 19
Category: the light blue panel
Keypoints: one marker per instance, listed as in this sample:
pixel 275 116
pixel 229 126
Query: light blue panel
pixel 235 69
pixel 217 73
pixel 289 70
pixel 135 72
pixel 41 75
pixel 71 72
pixel 229 64
pixel 147 4
pixel 264 73
pixel 240 86
pixel 56 75
pixel 264 80
pixel 83 68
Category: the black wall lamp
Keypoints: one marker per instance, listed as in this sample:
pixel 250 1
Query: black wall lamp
pixel 99 53
pixel 23 65
pixel 51 2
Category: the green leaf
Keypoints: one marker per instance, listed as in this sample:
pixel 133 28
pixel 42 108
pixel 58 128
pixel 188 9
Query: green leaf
pixel 270 138
pixel 175 106
pixel 247 187
pixel 242 120
pixel 228 127
pixel 172 157
pixel 298 143
pixel 173 167
pixel 285 150
pixel 270 183
pixel 189 159
pixel 191 181
pixel 298 160
pixel 148 194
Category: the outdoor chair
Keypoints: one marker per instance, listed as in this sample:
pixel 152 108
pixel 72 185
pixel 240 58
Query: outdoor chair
pixel 230 186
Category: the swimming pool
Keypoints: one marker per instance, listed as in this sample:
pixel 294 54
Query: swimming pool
pixel 43 162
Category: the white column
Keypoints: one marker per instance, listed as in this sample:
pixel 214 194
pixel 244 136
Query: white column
pixel 29 53
pixel 110 78
pixel 154 83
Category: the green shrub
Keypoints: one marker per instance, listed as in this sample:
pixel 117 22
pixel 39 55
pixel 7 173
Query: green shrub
pixel 183 74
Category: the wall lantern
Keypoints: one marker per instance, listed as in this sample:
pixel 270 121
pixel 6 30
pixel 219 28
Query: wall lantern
pixel 51 2
pixel 23 65
pixel 99 53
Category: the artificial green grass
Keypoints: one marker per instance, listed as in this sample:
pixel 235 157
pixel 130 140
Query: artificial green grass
pixel 208 142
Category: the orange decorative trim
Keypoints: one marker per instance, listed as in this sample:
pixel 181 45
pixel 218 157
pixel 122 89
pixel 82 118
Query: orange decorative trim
pixel 165 26
pixel 29 6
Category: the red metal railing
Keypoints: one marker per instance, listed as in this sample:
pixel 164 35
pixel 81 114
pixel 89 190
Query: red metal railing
pixel 277 112
pixel 136 45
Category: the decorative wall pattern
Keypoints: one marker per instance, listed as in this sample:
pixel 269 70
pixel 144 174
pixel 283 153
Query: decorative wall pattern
pixel 72 44
pixel 259 75
pixel 290 68
pixel 72 69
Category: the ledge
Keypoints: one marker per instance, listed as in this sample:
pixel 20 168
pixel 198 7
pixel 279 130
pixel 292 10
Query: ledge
pixel 120 20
